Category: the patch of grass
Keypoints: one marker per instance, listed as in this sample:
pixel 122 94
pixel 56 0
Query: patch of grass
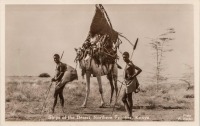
pixel 19 97
pixel 180 101
pixel 25 95
pixel 167 97
pixel 164 96
pixel 151 104
pixel 189 96
pixel 164 91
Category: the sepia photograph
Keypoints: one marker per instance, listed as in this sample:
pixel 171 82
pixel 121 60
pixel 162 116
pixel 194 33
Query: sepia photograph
pixel 100 63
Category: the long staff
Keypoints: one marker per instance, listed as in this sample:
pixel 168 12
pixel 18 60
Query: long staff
pixel 44 104
pixel 117 96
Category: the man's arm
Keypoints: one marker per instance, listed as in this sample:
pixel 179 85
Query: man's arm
pixel 138 71
pixel 59 77
pixel 62 70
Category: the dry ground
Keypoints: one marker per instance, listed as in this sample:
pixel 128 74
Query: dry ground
pixel 25 97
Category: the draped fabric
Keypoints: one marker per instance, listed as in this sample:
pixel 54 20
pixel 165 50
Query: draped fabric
pixel 101 26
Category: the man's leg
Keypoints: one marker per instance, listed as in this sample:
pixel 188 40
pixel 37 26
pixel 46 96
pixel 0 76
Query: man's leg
pixel 62 100
pixel 124 100
pixel 130 103
pixel 55 100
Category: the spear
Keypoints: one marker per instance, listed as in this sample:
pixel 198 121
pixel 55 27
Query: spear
pixel 134 47
pixel 62 55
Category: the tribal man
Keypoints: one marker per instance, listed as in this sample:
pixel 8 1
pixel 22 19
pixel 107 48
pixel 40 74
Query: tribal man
pixel 60 84
pixel 131 83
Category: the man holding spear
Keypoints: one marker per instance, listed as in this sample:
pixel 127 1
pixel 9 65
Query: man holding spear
pixel 64 74
pixel 60 71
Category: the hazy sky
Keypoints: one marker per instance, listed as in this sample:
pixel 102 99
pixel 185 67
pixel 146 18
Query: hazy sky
pixel 35 32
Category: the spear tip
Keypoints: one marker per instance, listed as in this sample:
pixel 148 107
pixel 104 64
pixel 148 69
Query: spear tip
pixel 135 44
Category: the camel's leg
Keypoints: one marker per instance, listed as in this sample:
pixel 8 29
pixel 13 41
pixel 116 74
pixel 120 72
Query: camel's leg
pixel 87 89
pixel 100 90
pixel 116 87
pixel 109 77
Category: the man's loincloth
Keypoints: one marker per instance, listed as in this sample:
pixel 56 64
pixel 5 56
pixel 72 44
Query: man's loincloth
pixel 130 86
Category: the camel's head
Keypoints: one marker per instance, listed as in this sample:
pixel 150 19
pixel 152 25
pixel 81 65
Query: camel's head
pixel 79 53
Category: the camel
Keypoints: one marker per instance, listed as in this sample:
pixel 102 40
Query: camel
pixel 91 67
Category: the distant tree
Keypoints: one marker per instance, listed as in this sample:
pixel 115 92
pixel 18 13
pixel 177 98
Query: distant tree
pixel 161 45
pixel 44 75
pixel 188 76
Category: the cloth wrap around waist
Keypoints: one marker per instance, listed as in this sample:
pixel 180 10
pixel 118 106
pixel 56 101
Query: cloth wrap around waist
pixel 131 84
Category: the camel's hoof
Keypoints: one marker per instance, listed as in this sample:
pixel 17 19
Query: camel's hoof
pixel 83 106
pixel 108 105
pixel 102 105
pixel 117 105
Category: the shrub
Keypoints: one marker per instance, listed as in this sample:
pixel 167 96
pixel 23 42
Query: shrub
pixel 189 96
pixel 44 75
pixel 151 103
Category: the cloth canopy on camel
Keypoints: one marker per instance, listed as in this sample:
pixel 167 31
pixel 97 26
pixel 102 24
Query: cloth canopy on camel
pixel 102 41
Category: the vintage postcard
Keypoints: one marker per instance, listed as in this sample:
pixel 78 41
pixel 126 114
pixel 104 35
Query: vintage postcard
pixel 75 63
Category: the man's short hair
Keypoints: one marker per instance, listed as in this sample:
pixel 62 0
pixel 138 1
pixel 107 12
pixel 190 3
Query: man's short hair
pixel 126 54
pixel 56 55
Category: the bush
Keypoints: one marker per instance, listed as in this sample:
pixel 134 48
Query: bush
pixel 189 96
pixel 44 75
